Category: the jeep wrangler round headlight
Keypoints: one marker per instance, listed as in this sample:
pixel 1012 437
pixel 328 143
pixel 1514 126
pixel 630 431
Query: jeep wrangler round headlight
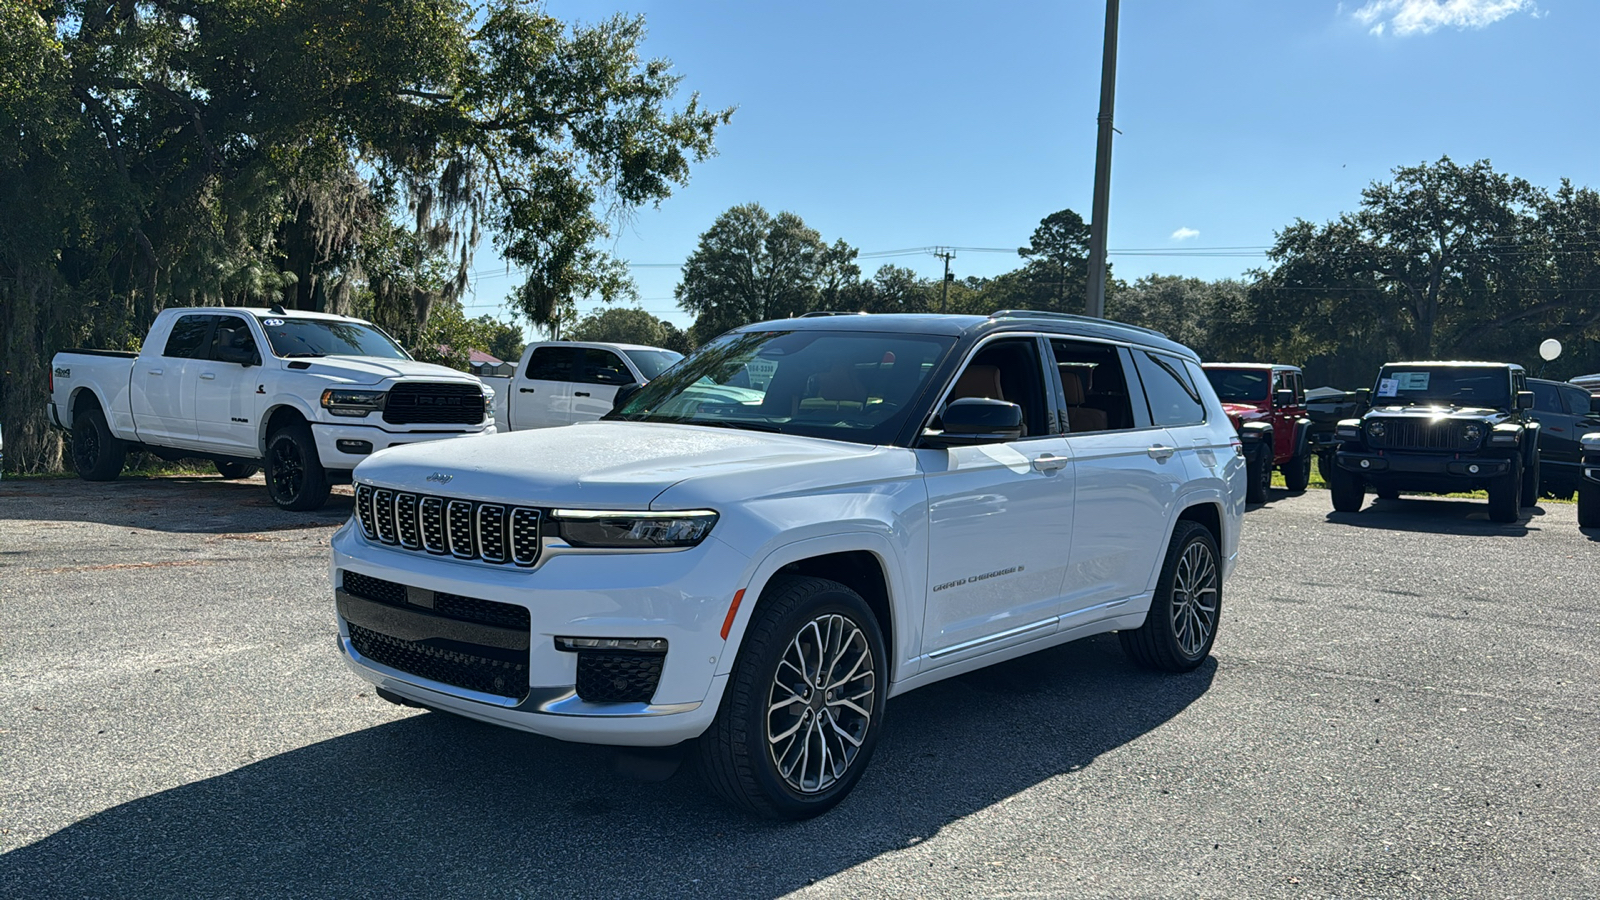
pixel 1375 428
pixel 1472 434
pixel 633 529
pixel 341 402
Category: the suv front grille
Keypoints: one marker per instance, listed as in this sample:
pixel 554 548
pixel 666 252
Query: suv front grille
pixel 1423 434
pixel 500 677
pixel 618 676
pixel 450 606
pixel 423 403
pixel 465 529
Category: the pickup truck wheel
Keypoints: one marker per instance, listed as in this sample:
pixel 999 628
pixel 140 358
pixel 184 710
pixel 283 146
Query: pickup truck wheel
pixel 233 471
pixel 1297 473
pixel 1181 626
pixel 1589 505
pixel 804 706
pixel 97 454
pixel 1347 490
pixel 1530 484
pixel 295 477
pixel 1258 476
pixel 1505 494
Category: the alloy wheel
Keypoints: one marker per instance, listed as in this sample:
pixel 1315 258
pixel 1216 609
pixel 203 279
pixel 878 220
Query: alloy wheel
pixel 819 706
pixel 1194 599
pixel 288 469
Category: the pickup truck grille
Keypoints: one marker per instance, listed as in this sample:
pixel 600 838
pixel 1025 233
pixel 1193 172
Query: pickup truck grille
pixel 421 403
pixel 465 529
pixel 1423 434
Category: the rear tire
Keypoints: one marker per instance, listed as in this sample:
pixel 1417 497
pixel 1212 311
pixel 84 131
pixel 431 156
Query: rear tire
pixel 1181 626
pixel 814 643
pixel 97 454
pixel 235 471
pixel 1589 505
pixel 1529 495
pixel 295 477
pixel 1258 477
pixel 1297 473
pixel 1505 494
pixel 1347 490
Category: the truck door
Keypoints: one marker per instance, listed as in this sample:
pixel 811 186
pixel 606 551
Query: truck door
pixel 162 392
pixel 595 383
pixel 226 402
pixel 542 395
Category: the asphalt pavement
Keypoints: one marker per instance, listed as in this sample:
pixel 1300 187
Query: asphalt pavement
pixel 1403 702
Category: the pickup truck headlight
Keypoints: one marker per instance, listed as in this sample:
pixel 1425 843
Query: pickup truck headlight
pixel 634 530
pixel 341 402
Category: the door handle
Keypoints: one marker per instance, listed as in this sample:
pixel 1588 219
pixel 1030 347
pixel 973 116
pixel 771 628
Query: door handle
pixel 1161 452
pixel 1049 462
pixel 580 393
pixel 525 390
pixel 208 376
pixel 155 371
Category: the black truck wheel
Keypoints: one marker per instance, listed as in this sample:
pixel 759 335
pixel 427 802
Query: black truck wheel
pixel 1181 626
pixel 1505 494
pixel 296 480
pixel 1589 505
pixel 1258 476
pixel 1347 489
pixel 234 471
pixel 804 706
pixel 97 454
pixel 1529 495
pixel 1297 472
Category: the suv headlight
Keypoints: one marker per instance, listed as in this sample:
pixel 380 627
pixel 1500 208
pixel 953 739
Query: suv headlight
pixel 1376 428
pixel 341 402
pixel 1472 434
pixel 634 530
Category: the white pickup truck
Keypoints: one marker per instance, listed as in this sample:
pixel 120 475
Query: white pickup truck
pixel 804 518
pixel 306 395
pixel 561 382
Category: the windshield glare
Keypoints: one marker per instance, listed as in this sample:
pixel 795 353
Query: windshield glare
pixel 1239 385
pixel 652 363
pixel 298 338
pixel 848 386
pixel 1443 386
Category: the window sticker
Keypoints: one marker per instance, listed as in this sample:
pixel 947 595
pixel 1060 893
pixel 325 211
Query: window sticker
pixel 1413 381
pixel 272 323
pixel 1388 387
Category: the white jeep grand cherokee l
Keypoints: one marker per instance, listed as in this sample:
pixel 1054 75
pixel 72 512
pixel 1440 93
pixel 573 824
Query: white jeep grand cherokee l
pixel 803 519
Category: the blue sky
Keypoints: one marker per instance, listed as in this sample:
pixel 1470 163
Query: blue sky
pixel 900 125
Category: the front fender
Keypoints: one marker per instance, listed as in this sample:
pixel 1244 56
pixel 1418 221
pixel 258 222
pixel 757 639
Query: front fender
pixel 276 402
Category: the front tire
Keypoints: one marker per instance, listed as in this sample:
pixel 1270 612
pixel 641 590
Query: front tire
pixel 1181 626
pixel 1297 473
pixel 1258 476
pixel 97 454
pixel 296 480
pixel 235 471
pixel 1589 505
pixel 1347 490
pixel 1529 495
pixel 1505 494
pixel 804 707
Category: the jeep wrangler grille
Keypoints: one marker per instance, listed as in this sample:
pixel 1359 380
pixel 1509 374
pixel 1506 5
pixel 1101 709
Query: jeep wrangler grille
pixel 466 529
pixel 1423 434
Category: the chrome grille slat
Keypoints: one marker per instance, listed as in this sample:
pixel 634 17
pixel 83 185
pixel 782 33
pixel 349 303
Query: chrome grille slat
pixel 493 533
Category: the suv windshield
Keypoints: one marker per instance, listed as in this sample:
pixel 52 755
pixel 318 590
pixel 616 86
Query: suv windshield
pixel 848 386
pixel 653 362
pixel 1240 385
pixel 1484 386
pixel 291 338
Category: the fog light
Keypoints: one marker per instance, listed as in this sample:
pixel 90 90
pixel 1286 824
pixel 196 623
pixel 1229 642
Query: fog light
pixel 649 645
pixel 356 448
pixel 1472 469
pixel 1366 463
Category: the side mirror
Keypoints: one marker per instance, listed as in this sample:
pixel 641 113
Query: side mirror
pixel 1594 405
pixel 1283 398
pixel 977 420
pixel 1524 399
pixel 1365 394
pixel 243 356
pixel 624 394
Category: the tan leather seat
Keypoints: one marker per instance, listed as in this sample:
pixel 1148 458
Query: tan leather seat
pixel 978 381
pixel 1080 417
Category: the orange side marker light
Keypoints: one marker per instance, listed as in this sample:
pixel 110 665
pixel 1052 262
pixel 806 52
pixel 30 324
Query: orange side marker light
pixel 733 610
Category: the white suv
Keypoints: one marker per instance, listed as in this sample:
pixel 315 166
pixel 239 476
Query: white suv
pixel 799 521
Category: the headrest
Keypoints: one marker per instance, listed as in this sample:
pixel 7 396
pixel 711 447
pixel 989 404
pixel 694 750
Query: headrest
pixel 978 381
pixel 1072 388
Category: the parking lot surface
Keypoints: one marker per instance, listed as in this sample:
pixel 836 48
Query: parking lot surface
pixel 1402 702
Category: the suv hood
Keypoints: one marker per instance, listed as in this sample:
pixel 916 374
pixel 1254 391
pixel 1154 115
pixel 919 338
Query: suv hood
pixel 371 370
pixel 611 465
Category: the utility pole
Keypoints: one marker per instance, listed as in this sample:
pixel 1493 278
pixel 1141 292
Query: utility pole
pixel 1102 168
pixel 944 286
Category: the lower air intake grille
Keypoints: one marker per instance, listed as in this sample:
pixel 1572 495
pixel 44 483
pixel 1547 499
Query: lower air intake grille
pixel 376 589
pixel 618 676
pixel 464 670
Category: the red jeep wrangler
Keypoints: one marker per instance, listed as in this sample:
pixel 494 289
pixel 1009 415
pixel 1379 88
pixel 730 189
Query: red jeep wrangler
pixel 1267 404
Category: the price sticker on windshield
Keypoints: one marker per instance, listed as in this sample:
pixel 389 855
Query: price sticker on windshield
pixel 1388 387
pixel 1412 381
pixel 272 323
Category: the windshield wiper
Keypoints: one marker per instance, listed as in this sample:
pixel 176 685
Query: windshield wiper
pixel 735 423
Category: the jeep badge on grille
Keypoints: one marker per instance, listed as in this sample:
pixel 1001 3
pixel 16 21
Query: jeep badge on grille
pixel 440 477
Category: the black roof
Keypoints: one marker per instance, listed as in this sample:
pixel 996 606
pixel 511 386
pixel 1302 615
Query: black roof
pixel 977 326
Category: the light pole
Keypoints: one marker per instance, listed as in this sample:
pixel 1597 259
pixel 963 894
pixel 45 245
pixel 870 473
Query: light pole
pixel 1096 305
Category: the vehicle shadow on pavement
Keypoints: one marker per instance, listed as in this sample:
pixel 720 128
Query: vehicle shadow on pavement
pixel 433 805
pixel 1437 515
pixel 176 504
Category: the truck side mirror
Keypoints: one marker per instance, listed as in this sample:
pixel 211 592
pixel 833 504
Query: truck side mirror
pixel 977 420
pixel 1524 399
pixel 1594 405
pixel 1282 398
pixel 624 394
pixel 243 356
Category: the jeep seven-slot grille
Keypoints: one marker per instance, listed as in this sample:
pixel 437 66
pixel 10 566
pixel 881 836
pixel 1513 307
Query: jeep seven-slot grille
pixel 1423 434
pixel 465 529
pixel 422 403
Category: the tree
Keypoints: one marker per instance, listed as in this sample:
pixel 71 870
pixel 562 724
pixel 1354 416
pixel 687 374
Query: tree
pixel 894 289
pixel 625 325
pixel 1184 309
pixel 1056 276
pixel 751 266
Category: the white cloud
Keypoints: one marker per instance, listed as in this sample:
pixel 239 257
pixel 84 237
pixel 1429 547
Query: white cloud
pixel 1407 17
pixel 1184 234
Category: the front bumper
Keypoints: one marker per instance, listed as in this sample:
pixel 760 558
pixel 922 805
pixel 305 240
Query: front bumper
pixel 335 440
pixel 681 598
pixel 1364 462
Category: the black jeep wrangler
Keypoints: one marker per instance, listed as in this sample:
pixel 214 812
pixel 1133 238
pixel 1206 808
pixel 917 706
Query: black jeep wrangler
pixel 1442 427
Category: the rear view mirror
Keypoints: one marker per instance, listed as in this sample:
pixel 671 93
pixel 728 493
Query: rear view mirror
pixel 977 420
